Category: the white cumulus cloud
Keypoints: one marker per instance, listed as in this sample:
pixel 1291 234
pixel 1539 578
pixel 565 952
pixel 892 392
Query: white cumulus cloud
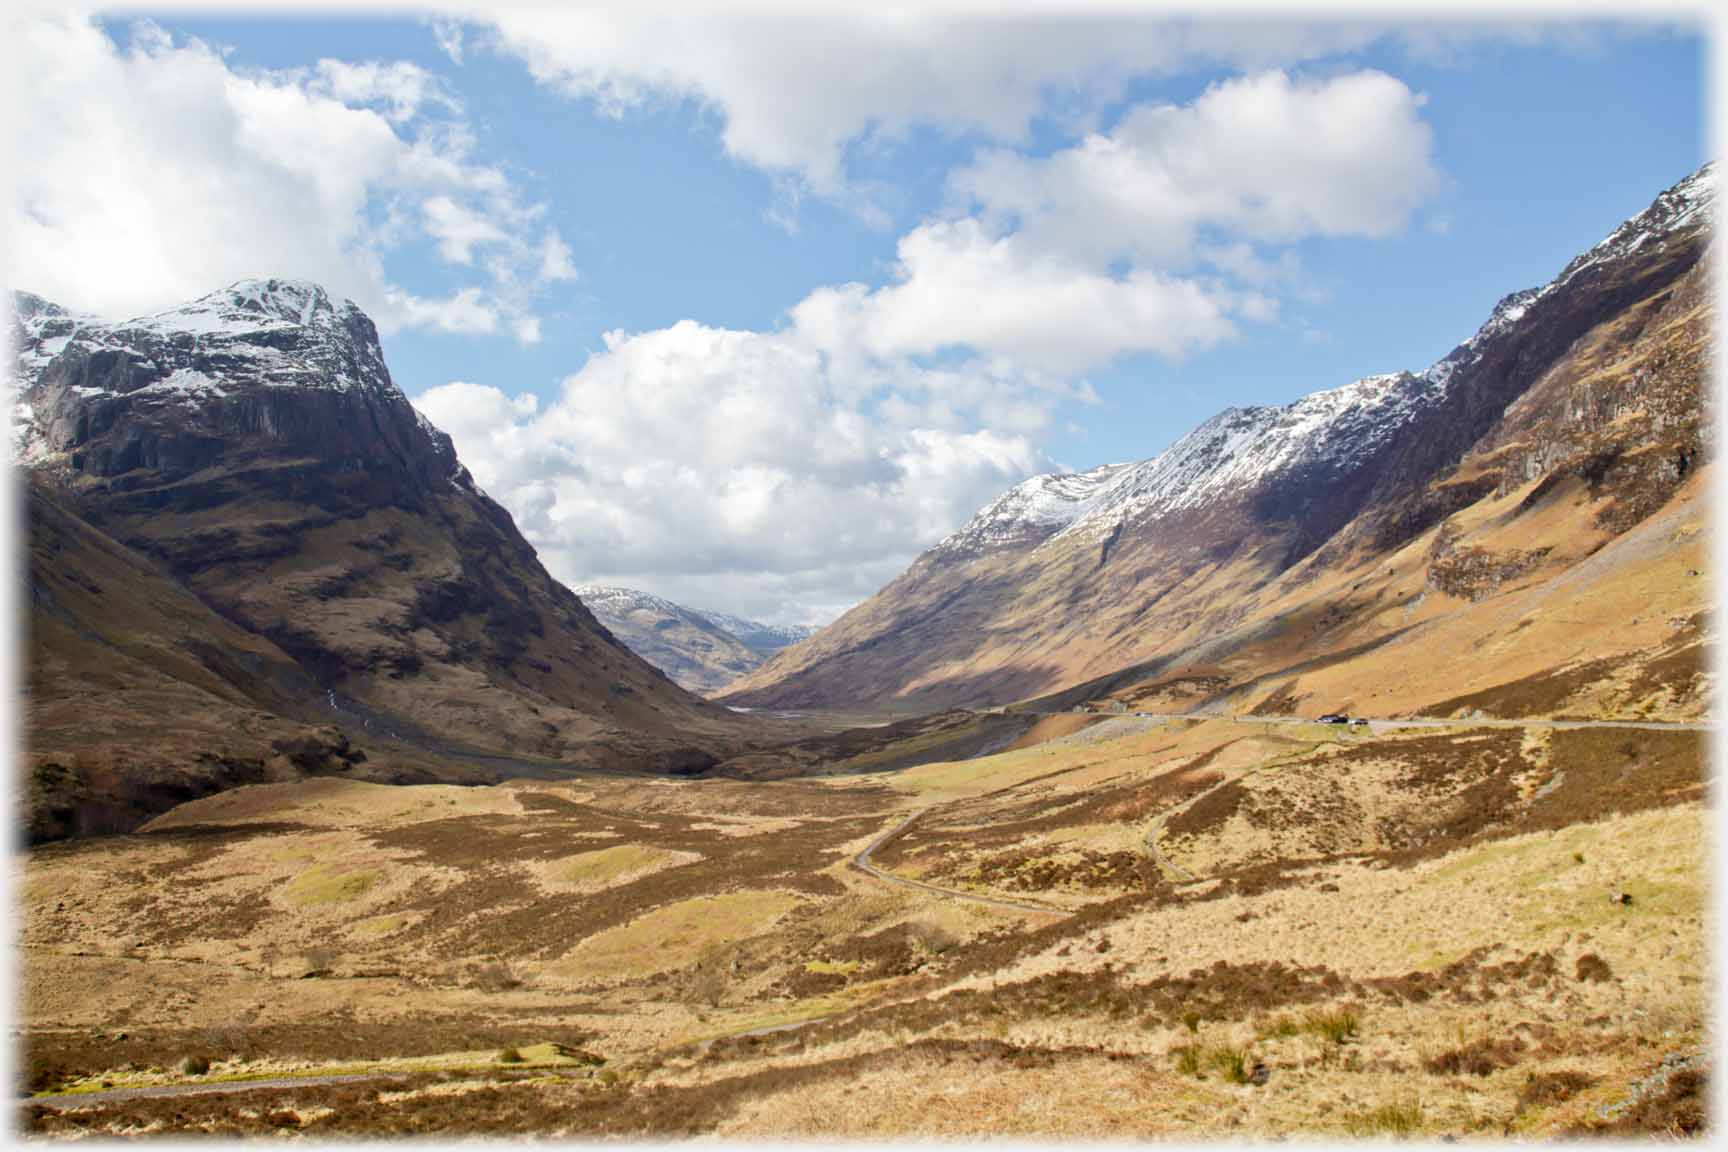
pixel 739 469
pixel 1266 157
pixel 1156 236
pixel 795 90
pixel 173 173
pixel 793 472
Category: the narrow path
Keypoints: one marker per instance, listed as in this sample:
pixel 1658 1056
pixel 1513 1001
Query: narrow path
pixel 1167 867
pixel 862 863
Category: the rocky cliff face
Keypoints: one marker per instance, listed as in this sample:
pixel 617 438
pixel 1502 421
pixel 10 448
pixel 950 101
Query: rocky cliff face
pixel 1067 578
pixel 252 448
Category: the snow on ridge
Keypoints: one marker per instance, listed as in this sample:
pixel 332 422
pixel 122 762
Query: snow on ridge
pixel 784 635
pixel 246 306
pixel 622 600
pixel 1242 448
pixel 253 333
pixel 1036 507
pixel 1691 200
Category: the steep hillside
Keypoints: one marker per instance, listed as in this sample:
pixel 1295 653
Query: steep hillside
pixel 1580 398
pixel 702 651
pixel 251 448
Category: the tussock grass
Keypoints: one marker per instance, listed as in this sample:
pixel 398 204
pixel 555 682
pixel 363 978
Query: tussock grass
pixel 1280 1027
pixel 1397 1118
pixel 1190 1060
pixel 1335 1025
pixel 1233 1063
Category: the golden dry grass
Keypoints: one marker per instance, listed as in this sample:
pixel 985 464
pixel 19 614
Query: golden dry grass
pixel 609 867
pixel 449 899
pixel 673 936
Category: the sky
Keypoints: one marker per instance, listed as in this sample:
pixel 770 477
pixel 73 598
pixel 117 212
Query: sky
pixel 748 311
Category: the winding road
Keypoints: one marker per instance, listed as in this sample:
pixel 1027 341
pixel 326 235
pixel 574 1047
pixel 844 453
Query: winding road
pixel 862 863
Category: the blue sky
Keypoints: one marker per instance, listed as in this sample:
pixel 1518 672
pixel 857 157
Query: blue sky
pixel 713 198
pixel 1545 149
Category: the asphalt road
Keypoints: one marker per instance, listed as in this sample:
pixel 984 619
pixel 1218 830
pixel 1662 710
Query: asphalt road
pixel 1376 724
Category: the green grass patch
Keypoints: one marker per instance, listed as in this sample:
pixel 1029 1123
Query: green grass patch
pixel 605 867
pixel 324 884
pixel 837 967
pixel 675 935
pixel 381 925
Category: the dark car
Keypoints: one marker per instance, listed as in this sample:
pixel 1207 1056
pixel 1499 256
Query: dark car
pixel 1334 718
pixel 1359 722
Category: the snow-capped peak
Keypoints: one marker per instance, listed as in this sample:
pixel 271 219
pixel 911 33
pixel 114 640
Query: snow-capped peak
pixel 271 332
pixel 622 599
pixel 253 334
pixel 247 306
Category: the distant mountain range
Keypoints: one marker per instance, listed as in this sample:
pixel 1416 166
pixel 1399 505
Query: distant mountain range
pixel 702 651
pixel 248 550
pixel 1354 519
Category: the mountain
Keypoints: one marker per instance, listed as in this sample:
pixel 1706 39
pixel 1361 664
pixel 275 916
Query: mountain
pixel 761 638
pixel 286 537
pixel 703 651
pixel 1568 419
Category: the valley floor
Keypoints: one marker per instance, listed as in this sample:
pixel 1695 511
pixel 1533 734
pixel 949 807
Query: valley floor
pixel 1121 927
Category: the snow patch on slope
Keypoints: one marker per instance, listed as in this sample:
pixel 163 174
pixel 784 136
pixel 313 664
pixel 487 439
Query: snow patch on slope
pixel 1032 510
pixel 268 333
pixel 606 600
pixel 1244 449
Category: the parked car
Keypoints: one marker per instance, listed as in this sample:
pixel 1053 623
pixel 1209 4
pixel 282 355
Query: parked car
pixel 1334 718
pixel 1359 722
